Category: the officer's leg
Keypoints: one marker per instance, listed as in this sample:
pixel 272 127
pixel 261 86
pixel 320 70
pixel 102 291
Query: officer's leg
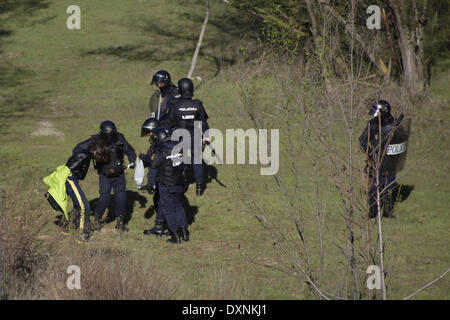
pixel 120 200
pixel 81 204
pixel 76 205
pixel 159 227
pixel 198 165
pixel 159 215
pixel 373 209
pixel 388 201
pixel 105 186
pixel 168 207
pixel 181 219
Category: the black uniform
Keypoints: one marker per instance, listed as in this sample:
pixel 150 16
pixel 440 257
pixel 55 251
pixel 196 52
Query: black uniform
pixel 168 93
pixel 111 174
pixel 146 160
pixel 370 144
pixel 181 114
pixel 79 162
pixel 171 184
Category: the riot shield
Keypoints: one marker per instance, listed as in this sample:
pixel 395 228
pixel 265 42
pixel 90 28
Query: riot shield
pixel 155 104
pixel 395 147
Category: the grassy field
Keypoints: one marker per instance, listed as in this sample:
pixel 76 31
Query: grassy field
pixel 58 85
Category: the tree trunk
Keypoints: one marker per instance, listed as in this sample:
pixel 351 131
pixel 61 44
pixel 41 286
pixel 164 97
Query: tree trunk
pixel 200 40
pixel 411 48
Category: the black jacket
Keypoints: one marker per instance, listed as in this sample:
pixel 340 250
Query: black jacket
pixel 79 163
pixel 116 150
pixel 182 112
pixel 369 140
pixel 165 166
pixel 81 157
pixel 168 93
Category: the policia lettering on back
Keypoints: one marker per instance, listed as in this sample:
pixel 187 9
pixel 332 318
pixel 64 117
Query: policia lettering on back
pixel 182 113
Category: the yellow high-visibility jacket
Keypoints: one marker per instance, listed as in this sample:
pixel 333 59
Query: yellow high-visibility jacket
pixel 57 183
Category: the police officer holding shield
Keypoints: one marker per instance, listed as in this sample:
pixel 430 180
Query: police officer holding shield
pixel 384 140
pixel 182 113
pixel 160 99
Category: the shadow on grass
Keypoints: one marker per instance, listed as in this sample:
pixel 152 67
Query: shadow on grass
pixel 17 97
pixel 128 52
pixel 209 172
pixel 132 197
pixel 22 7
pixel 191 211
pixel 401 192
pixel 176 44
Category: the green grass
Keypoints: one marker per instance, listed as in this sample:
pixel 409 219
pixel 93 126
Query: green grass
pixel 76 79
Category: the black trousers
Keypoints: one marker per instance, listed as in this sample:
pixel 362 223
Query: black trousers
pixel 80 203
pixel 171 206
pixel 118 185
pixel 387 184
pixel 159 214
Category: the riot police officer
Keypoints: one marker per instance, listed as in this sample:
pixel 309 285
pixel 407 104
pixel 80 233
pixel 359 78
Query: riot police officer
pixel 167 91
pixel 169 169
pixel 182 112
pixel 111 174
pixel 373 142
pixel 147 129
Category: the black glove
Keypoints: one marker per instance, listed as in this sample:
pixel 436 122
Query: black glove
pixel 145 159
pixel 150 188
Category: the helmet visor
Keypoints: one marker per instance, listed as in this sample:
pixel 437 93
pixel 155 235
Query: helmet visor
pixel 375 110
pixel 158 78
pixel 109 137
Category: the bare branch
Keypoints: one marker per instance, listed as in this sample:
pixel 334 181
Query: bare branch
pixel 428 284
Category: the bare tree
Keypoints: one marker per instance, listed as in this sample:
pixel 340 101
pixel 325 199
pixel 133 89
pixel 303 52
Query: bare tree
pixel 200 40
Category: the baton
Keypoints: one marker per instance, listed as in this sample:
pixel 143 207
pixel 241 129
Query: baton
pixel 214 152
pixel 399 119
pixel 159 106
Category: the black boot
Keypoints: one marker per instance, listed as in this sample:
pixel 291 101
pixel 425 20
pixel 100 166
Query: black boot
pixel 184 233
pixel 199 189
pixel 158 229
pixel 120 225
pixel 98 223
pixel 175 237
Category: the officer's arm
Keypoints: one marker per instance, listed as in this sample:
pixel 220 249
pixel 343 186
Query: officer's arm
pixel 151 176
pixel 205 126
pixel 363 139
pixel 82 146
pixel 156 160
pixel 167 119
pixel 146 157
pixel 204 119
pixel 129 151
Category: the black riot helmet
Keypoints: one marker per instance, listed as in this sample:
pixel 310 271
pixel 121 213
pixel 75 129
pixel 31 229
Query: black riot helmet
pixel 381 108
pixel 108 131
pixel 162 76
pixel 161 135
pixel 186 87
pixel 149 126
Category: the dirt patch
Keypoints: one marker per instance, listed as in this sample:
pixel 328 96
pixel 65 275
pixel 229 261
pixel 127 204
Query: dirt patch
pixel 46 128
